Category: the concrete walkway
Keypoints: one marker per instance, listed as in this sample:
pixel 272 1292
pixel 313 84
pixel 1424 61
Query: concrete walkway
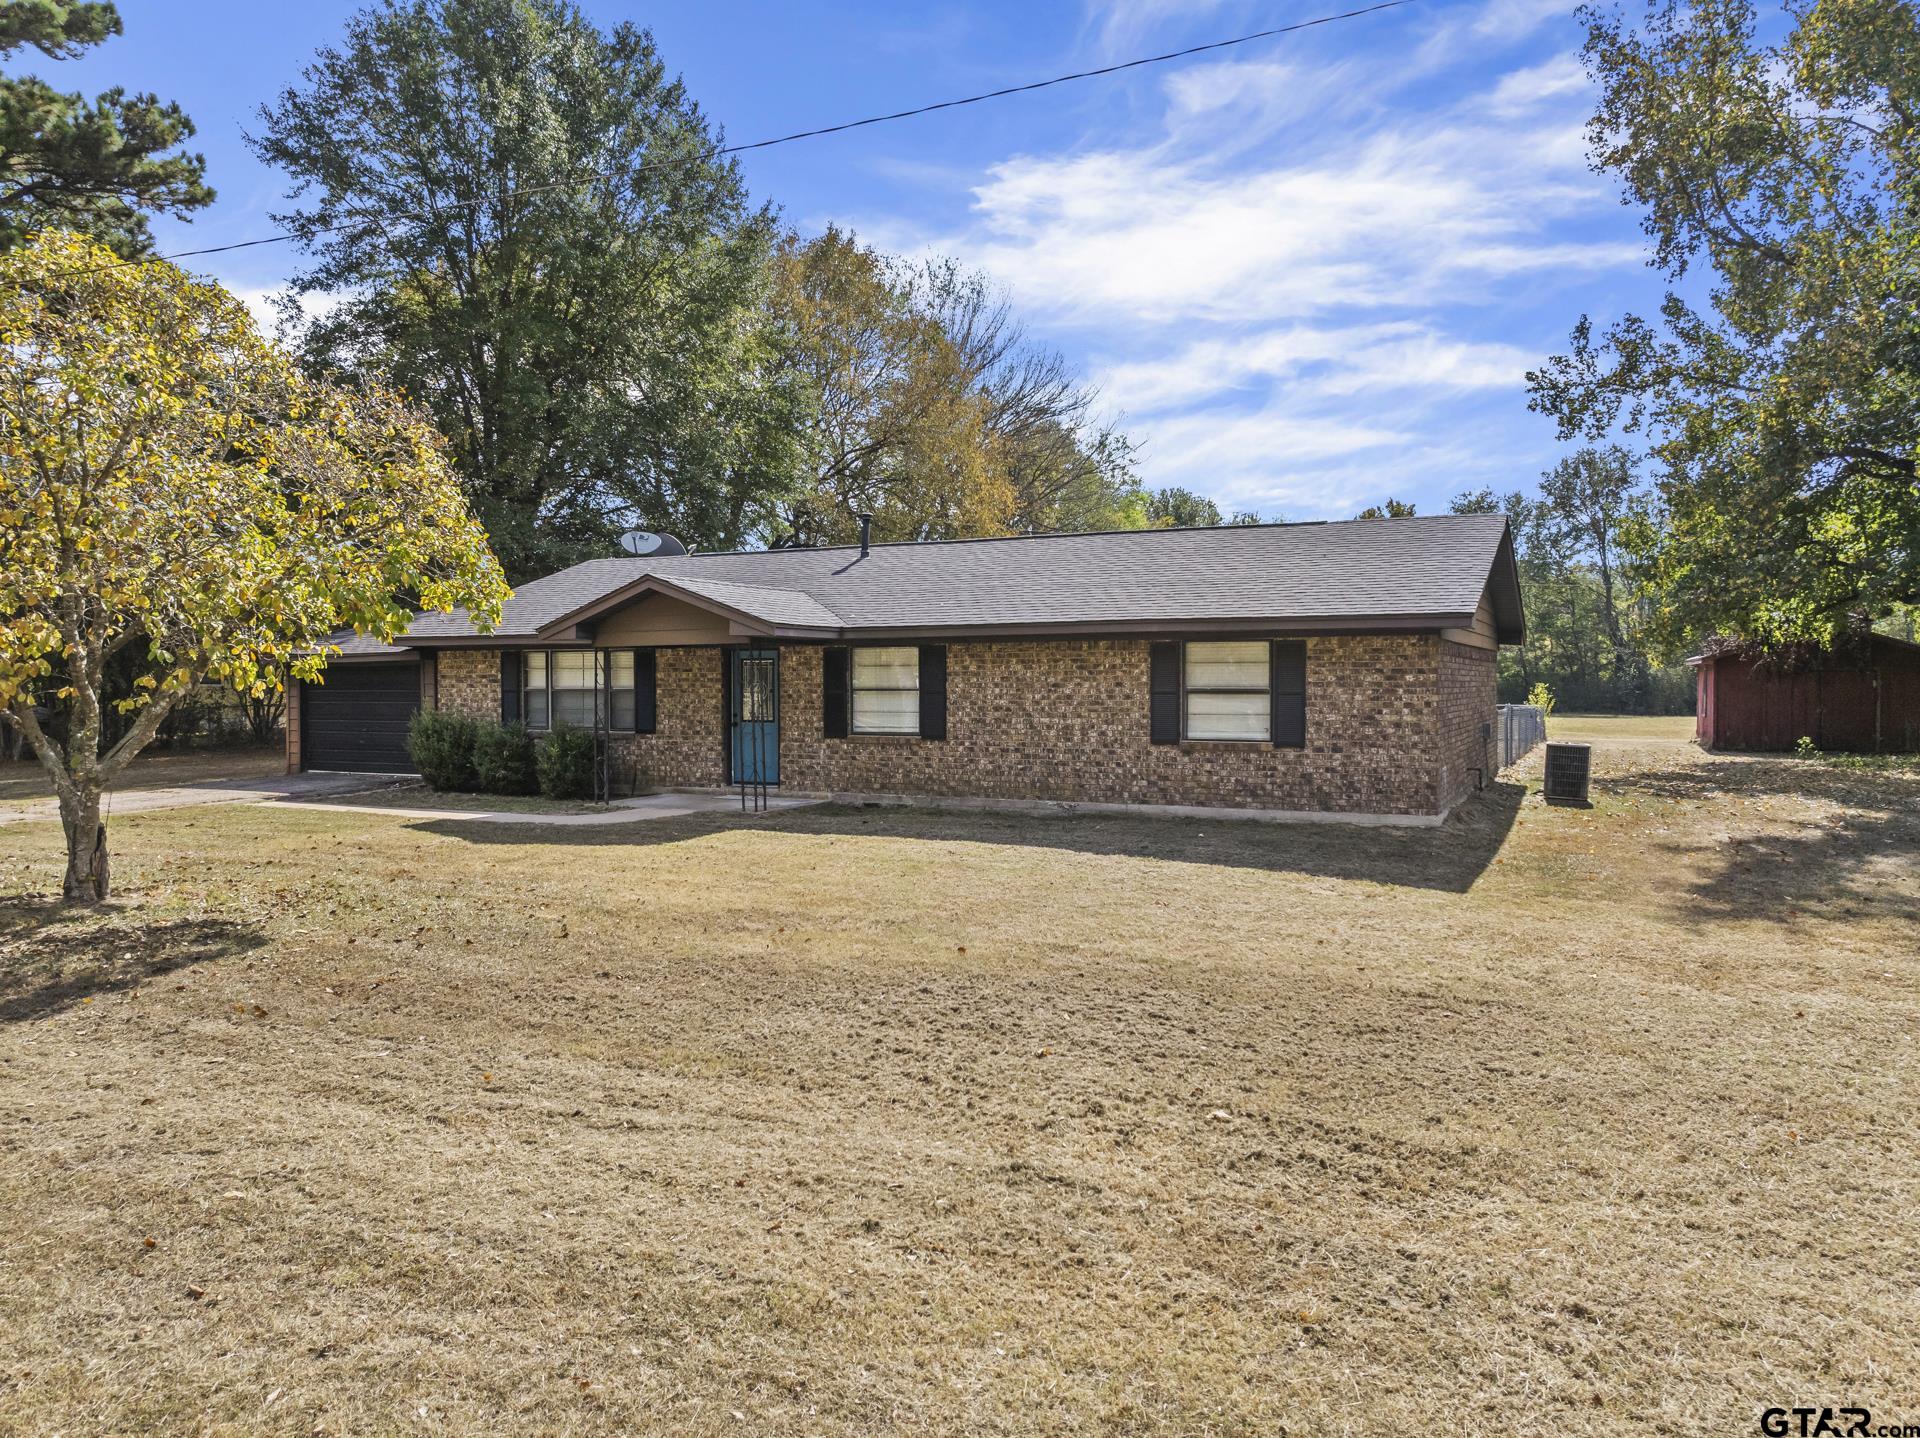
pixel 620 811
pixel 207 791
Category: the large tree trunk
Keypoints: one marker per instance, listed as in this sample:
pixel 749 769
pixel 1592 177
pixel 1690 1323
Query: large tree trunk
pixel 86 881
pixel 80 774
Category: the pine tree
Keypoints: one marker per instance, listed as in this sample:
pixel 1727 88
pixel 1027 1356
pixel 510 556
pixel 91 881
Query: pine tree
pixel 97 166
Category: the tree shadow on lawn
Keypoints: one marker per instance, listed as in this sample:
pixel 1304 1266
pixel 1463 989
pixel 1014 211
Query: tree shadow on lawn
pixel 1447 857
pixel 53 957
pixel 1834 868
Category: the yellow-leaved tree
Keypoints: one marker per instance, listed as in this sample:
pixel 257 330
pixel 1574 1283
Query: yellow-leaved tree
pixel 173 486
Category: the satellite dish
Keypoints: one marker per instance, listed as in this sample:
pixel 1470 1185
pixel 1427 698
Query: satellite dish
pixel 645 544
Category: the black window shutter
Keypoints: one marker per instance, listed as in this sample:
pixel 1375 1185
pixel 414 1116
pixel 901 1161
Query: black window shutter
pixel 644 689
pixel 1163 671
pixel 834 666
pixel 1288 677
pixel 726 712
pixel 933 691
pixel 509 686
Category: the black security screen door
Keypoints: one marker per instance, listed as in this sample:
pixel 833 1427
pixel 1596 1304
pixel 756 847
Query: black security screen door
pixel 754 722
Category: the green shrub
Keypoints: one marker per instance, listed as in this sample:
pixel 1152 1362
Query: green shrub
pixel 503 759
pixel 1806 748
pixel 566 763
pixel 441 746
pixel 1541 698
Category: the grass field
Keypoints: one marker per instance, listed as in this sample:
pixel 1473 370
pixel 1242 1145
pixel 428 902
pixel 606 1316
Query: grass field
pixel 841 1122
pixel 1677 728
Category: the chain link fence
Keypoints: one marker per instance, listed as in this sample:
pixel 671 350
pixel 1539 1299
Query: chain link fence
pixel 1520 727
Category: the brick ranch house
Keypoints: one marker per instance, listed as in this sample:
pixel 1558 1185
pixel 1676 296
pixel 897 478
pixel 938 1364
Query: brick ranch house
pixel 1307 670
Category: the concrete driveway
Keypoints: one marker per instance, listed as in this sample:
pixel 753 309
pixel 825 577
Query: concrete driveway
pixel 208 791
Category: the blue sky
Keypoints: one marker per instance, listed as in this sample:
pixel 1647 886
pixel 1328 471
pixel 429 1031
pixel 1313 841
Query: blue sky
pixel 1306 273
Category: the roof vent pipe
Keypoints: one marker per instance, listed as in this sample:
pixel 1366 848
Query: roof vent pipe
pixel 866 532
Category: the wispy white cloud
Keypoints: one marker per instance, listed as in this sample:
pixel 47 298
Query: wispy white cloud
pixel 1311 278
pixel 1385 221
pixel 1522 90
pixel 1121 25
pixel 1513 20
pixel 1231 455
pixel 1319 362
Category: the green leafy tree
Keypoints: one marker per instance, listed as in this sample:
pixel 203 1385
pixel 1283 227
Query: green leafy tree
pixel 1588 497
pixel 1782 396
pixel 176 497
pixel 1068 469
pixel 1177 508
pixel 1392 509
pixel 1585 616
pixel 893 429
pixel 96 166
pixel 530 231
pixel 930 409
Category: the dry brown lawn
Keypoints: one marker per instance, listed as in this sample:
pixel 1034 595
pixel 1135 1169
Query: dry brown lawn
pixel 875 1121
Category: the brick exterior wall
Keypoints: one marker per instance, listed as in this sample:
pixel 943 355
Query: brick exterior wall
pixel 1393 727
pixel 687 746
pixel 292 729
pixel 684 751
pixel 469 681
pixel 1467 739
pixel 1068 720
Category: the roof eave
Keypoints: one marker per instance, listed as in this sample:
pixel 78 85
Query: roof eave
pixel 1509 619
pixel 567 634
pixel 1122 628
pixel 654 584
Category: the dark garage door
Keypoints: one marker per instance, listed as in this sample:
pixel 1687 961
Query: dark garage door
pixel 357 719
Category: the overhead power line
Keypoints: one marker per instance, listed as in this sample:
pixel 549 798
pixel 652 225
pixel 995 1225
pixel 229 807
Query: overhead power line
pixel 355 216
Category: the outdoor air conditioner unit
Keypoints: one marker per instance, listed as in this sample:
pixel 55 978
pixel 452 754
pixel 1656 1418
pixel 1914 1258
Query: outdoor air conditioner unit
pixel 1569 773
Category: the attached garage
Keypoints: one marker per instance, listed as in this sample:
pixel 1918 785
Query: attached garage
pixel 357 719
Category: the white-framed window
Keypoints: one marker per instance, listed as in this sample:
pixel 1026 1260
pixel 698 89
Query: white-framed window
pixel 572 675
pixel 557 687
pixel 1228 690
pixel 886 690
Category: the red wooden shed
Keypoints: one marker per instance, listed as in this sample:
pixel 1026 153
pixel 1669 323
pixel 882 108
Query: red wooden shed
pixel 1867 702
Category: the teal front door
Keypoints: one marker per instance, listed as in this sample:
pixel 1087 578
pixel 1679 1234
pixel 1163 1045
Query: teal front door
pixel 754 716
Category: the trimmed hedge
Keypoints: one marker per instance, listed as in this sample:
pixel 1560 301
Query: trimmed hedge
pixel 441 744
pixel 566 763
pixel 503 759
pixel 458 753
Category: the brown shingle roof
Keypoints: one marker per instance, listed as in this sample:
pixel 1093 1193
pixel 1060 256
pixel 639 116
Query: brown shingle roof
pixel 1392 573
